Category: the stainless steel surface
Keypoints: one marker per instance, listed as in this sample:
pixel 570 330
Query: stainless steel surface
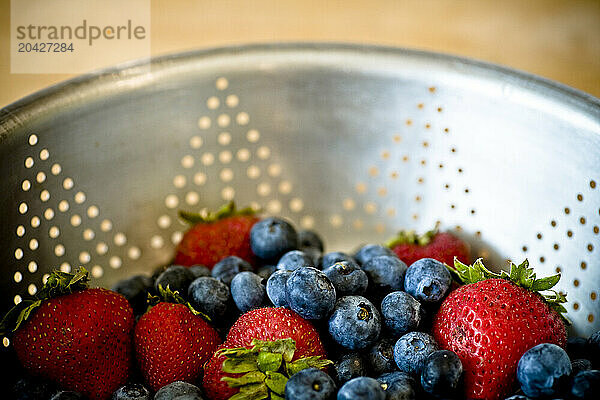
pixel 354 141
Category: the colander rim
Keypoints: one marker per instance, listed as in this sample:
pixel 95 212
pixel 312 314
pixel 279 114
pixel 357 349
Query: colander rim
pixel 44 100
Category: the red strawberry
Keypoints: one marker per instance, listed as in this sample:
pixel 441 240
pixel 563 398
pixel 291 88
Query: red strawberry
pixel 216 236
pixel 442 246
pixel 270 326
pixel 490 322
pixel 172 343
pixel 78 337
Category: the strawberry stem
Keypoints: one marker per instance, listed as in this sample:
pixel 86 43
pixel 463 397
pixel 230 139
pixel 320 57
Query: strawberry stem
pixel 205 216
pixel 521 275
pixel 266 367
pixel 411 237
pixel 167 295
pixel 58 284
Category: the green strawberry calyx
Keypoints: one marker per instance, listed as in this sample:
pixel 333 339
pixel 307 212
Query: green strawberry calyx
pixel 166 295
pixel 58 284
pixel 205 216
pixel 266 367
pixel 412 237
pixel 521 275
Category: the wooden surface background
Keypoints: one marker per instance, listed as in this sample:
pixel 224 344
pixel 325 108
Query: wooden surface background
pixel 557 39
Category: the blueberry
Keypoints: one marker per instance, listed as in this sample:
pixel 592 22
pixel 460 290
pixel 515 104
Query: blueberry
pixel 310 384
pixel 132 391
pixel 292 260
pixel 581 364
pixel 67 395
pixel 229 267
pixel 355 323
pixel 593 345
pixel 248 291
pixel 310 293
pixel 276 288
pixel 335 256
pixel 177 278
pixel 427 280
pixel 586 385
pixel 401 313
pixel 192 396
pixel 441 373
pixel 411 351
pixel 386 274
pixel 266 271
pixel 199 270
pixel 178 388
pixel 380 357
pixel 310 239
pixel 398 386
pixel 270 238
pixel 135 290
pixel 517 397
pixel 543 370
pixel 361 388
pixel 209 295
pixel 347 278
pixel 33 388
pixel 370 251
pixel 349 366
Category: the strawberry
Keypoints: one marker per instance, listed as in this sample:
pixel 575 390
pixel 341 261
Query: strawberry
pixel 442 246
pixel 278 343
pixel 215 236
pixel 495 318
pixel 75 336
pixel 173 341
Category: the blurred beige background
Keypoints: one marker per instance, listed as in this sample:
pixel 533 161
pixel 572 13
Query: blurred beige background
pixel 559 40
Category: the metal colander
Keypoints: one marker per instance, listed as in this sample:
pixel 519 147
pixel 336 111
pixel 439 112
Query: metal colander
pixel 356 142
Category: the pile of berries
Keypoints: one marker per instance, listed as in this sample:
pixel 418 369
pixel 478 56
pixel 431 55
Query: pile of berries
pixel 251 308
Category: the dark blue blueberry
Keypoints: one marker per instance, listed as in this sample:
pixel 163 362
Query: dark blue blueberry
pixel 543 370
pixel 355 323
pixel 398 386
pixel 401 313
pixel 581 364
pixel 209 295
pixel 386 274
pixel 586 385
pixel 266 271
pixel 517 397
pixel 310 293
pixel 178 388
pixel 272 237
pixel 310 384
pixel 229 267
pixel 248 291
pixel 276 288
pixel 441 373
pixel 362 388
pixel 292 260
pixel 380 357
pixel 177 278
pixel 310 239
pixel 593 345
pixel 135 289
pixel 370 251
pixel 427 280
pixel 192 396
pixel 132 391
pixel 199 270
pixel 347 277
pixel 349 366
pixel 67 395
pixel 329 259
pixel 411 351
pixel 33 388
